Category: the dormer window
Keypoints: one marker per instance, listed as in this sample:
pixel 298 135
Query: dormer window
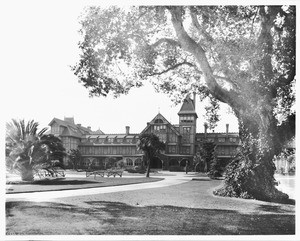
pixel 158 121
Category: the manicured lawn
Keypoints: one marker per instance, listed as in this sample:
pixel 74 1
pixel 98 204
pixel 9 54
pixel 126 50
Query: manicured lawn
pixel 185 209
pixel 116 218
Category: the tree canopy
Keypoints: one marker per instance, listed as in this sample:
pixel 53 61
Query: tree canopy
pixel 232 53
pixel 243 56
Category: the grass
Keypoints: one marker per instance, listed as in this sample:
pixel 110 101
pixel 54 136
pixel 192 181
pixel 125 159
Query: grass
pixel 185 209
pixel 116 218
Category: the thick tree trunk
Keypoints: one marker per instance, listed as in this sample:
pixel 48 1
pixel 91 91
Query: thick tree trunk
pixel 251 173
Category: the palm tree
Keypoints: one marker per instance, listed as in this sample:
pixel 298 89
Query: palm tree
pixel 151 146
pixel 25 147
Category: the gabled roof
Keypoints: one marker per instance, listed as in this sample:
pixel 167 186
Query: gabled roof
pixel 71 129
pixel 159 117
pixel 188 106
pixel 164 121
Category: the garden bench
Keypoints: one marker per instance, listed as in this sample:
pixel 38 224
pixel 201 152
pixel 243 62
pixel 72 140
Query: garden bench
pixel 50 172
pixel 102 173
pixel 114 173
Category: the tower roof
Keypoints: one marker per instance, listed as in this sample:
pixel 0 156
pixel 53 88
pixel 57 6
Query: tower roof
pixel 188 106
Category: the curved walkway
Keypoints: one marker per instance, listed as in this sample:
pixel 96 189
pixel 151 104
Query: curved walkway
pixel 177 178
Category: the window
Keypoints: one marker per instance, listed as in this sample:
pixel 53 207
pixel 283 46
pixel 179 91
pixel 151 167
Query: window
pixel 86 162
pixel 55 129
pixel 185 150
pixel 159 127
pixel 138 162
pixel 186 119
pixel 221 150
pixel 172 138
pixel 129 162
pixel 185 139
pixel 158 121
pixel 232 139
pixel 96 162
pixel 221 140
pixel 172 149
pixel 186 130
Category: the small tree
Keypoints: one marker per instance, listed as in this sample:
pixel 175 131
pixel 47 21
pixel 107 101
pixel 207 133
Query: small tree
pixel 206 151
pixel 75 157
pixel 151 146
pixel 25 147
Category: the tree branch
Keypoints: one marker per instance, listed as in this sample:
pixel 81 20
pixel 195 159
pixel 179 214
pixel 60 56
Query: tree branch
pixel 189 45
pixel 173 67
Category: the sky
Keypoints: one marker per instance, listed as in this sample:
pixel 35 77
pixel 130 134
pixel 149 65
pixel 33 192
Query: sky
pixel 40 43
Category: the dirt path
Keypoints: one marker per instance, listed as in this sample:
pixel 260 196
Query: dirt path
pixel 168 180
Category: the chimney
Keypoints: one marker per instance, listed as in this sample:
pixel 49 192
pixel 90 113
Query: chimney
pixel 89 128
pixel 227 129
pixel 79 125
pixel 205 129
pixel 194 100
pixel 127 129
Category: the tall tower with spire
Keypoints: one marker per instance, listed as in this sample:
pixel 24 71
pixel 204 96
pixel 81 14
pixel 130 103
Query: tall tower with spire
pixel 188 125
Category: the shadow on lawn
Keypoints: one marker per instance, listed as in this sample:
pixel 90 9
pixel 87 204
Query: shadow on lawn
pixel 116 218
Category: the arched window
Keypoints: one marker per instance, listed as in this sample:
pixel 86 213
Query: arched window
pixel 158 121
pixel 129 162
pixel 138 162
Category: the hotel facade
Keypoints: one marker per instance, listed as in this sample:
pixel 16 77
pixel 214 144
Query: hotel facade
pixel 182 142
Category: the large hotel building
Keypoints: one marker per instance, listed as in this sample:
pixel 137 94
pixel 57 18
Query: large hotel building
pixel 182 141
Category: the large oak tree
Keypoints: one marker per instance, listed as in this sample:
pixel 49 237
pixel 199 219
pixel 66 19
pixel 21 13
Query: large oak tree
pixel 243 56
